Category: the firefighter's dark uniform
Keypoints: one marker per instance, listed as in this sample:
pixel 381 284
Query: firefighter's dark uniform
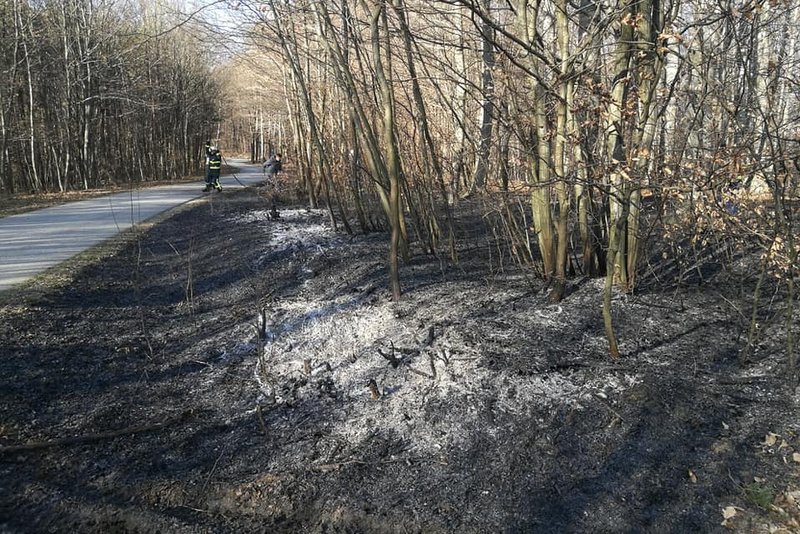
pixel 214 164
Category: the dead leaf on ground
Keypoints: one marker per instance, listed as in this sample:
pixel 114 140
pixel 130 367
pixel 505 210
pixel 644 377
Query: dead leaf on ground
pixel 728 512
pixel 692 477
pixel 771 439
pixel 796 457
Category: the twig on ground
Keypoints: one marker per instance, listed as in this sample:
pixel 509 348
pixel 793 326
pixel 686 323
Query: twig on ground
pixel 335 466
pixel 261 421
pixel 421 373
pixel 100 436
pixel 211 473
pixel 431 336
pixel 195 509
pixel 393 360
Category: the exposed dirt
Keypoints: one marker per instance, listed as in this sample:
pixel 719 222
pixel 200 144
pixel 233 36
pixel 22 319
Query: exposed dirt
pixel 181 410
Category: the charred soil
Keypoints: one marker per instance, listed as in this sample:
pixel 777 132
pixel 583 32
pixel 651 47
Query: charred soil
pixel 222 371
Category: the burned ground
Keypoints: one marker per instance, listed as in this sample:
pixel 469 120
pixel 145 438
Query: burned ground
pixel 211 374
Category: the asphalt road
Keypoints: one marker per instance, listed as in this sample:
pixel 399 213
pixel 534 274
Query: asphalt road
pixel 34 241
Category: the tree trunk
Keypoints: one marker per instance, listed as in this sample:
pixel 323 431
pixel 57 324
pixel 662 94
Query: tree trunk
pixel 540 194
pixel 35 183
pixel 560 156
pixel 618 200
pixel 487 98
pixel 392 153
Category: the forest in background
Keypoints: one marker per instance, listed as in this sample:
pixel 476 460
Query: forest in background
pixel 101 93
pixel 638 140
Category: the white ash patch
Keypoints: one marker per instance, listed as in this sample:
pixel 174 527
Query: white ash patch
pixel 343 341
pixel 296 316
pixel 296 230
pixel 348 343
pixel 286 215
pixel 552 316
pixel 433 395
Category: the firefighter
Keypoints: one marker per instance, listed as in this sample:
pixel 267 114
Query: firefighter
pixel 213 166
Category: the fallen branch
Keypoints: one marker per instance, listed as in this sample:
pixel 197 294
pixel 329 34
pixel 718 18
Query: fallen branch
pixel 328 468
pixel 421 373
pixel 90 438
pixel 395 362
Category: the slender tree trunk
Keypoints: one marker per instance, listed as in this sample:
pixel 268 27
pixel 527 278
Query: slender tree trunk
pixel 488 97
pixel 427 146
pixel 560 156
pixel 541 211
pixel 540 194
pixel 352 155
pixel 459 144
pixel 586 210
pixel 374 152
pixel 618 200
pixel 7 180
pixel 392 153
pixel 35 182
pixel 649 68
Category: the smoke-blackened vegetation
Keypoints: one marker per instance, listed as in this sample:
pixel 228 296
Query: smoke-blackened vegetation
pixel 260 376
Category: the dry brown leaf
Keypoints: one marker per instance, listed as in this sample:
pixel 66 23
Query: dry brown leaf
pixel 771 439
pixel 796 457
pixel 728 512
